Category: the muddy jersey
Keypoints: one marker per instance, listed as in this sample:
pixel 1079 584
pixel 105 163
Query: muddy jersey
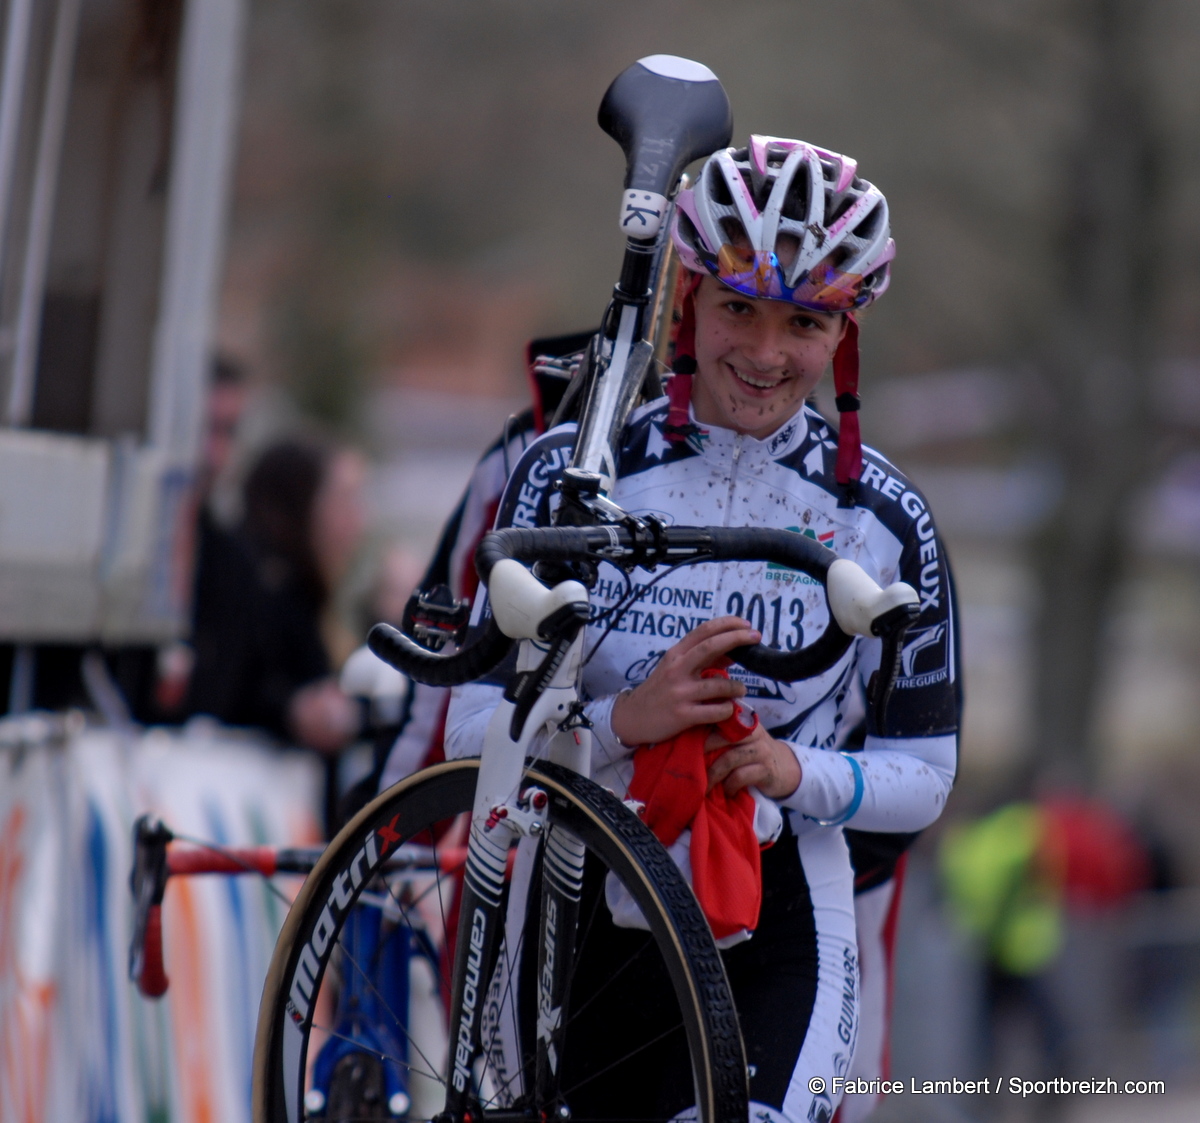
pixel 900 780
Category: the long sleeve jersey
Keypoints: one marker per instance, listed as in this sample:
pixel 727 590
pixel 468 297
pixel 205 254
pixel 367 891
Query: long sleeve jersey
pixel 899 782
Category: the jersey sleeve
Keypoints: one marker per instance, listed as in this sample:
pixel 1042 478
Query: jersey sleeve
pixel 900 780
pixel 524 501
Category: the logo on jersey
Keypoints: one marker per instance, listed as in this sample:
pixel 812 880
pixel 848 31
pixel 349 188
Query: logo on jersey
pixel 526 497
pixel 777 572
pixel 924 658
pixel 821 1109
pixel 814 462
pixel 782 438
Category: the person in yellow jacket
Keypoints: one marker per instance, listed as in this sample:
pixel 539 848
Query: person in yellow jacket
pixel 1012 880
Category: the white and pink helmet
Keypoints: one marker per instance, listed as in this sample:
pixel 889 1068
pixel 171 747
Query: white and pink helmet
pixel 785 220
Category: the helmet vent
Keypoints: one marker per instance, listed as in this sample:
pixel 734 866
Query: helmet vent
pixel 688 231
pixel 735 232
pixel 719 190
pixel 795 202
pixel 869 227
pixel 787 249
pixel 842 204
pixel 837 258
pixel 760 193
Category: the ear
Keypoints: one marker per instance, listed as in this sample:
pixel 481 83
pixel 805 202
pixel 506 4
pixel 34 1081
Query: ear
pixel 845 323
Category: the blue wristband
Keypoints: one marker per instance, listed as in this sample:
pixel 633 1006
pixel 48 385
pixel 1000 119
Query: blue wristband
pixel 855 800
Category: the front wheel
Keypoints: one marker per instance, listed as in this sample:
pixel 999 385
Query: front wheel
pixel 643 1008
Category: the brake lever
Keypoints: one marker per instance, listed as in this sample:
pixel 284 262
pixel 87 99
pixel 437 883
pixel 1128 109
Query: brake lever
pixel 891 627
pixel 148 880
pixel 526 687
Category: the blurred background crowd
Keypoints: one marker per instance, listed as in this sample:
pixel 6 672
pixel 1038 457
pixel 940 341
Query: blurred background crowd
pixel 417 188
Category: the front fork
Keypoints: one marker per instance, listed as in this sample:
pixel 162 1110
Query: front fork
pixel 498 817
pixel 562 885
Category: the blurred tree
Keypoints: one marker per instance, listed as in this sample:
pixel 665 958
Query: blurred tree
pixel 1095 342
pixel 324 335
pixel 1100 362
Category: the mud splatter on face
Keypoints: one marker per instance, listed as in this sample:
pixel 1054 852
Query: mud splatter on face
pixel 757 360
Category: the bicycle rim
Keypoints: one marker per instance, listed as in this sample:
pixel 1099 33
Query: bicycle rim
pixel 698 1014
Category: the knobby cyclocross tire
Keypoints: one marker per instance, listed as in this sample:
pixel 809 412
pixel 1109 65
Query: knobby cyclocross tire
pixel 414 810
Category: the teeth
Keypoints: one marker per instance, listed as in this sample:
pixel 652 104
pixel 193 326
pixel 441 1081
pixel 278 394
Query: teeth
pixel 758 385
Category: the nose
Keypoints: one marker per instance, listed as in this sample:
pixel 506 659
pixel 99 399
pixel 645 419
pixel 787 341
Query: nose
pixel 763 345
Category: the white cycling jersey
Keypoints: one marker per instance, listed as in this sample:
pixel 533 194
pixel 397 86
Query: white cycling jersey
pixel 720 478
pixel 797 992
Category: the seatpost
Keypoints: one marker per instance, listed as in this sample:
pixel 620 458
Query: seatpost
pixel 665 112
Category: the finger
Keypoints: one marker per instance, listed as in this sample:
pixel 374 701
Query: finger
pixel 705 713
pixel 739 756
pixel 717 740
pixel 751 775
pixel 713 689
pixel 714 627
pixel 705 653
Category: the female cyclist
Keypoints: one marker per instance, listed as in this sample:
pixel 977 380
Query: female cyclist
pixel 783 243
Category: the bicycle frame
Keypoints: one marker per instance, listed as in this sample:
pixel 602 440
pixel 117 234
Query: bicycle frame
pixel 619 361
pixel 501 814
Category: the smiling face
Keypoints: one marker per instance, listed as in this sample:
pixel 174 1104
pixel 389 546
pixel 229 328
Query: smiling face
pixel 756 360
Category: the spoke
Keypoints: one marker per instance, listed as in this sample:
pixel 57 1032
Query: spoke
pixel 405 915
pixel 399 1023
pixel 226 853
pixel 362 1048
pixel 404 908
pixel 621 1060
pixel 525 1058
pixel 437 875
pixel 528 1057
pixel 607 982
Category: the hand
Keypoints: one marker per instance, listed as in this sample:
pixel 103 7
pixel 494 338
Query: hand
pixel 759 761
pixel 674 697
pixel 321 717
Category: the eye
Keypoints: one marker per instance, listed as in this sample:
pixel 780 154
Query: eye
pixel 806 323
pixel 739 307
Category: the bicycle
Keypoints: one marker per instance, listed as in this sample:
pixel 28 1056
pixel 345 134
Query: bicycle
pixel 362 1062
pixel 571 834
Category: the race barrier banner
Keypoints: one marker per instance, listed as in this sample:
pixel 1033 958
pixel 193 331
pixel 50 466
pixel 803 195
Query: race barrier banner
pixel 78 1043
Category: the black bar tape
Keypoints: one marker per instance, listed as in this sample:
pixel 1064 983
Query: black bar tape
pixel 396 649
pixel 666 546
pixel 791 666
pixel 783 547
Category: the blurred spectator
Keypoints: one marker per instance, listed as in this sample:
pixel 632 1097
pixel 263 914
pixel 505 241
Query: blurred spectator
pixel 400 572
pixel 217 551
pixel 227 394
pixel 1013 880
pixel 266 637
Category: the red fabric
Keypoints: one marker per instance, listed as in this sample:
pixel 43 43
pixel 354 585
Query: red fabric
pixel 845 381
pixel 539 409
pixel 679 385
pixel 685 334
pixel 671 779
pixel 889 952
pixel 1090 851
pixel 679 392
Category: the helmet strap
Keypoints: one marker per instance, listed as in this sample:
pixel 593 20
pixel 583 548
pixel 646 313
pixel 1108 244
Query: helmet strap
pixel 679 386
pixel 845 385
